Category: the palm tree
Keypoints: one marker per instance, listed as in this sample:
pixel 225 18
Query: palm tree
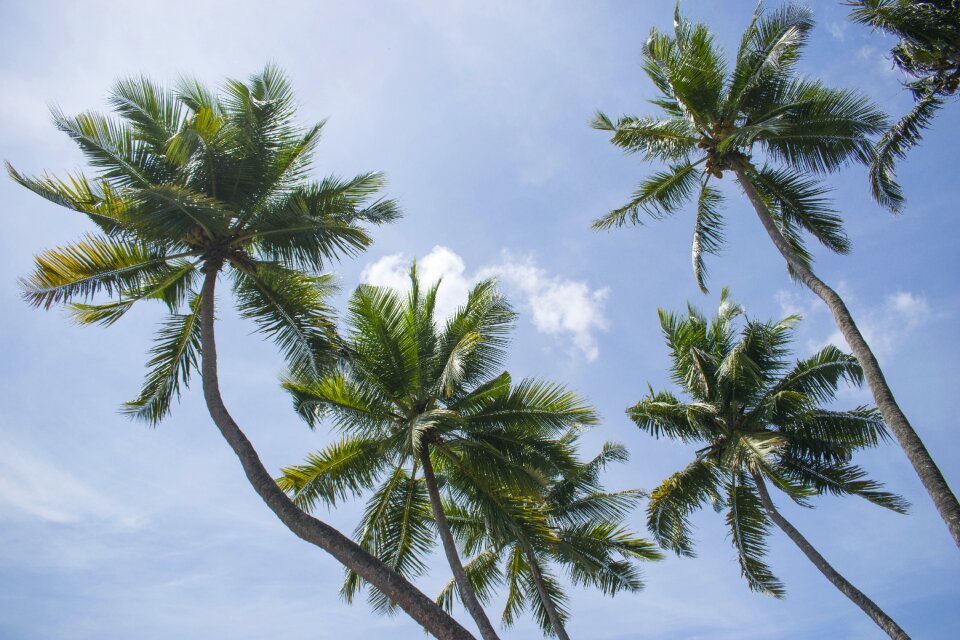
pixel 419 395
pixel 190 184
pixel 798 129
pixel 573 523
pixel 928 52
pixel 758 419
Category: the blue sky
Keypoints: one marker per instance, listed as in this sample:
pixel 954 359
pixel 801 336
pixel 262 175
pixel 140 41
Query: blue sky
pixel 478 114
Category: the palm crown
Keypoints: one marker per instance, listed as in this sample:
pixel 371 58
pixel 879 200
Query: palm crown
pixel 928 51
pixel 416 393
pixel 189 181
pixel 758 418
pixel 718 119
pixel 573 523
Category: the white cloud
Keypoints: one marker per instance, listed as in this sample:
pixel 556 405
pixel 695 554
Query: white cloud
pixel 558 307
pixel 884 327
pixel 838 30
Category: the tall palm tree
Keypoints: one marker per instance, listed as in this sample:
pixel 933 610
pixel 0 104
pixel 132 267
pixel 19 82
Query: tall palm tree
pixel 420 395
pixel 928 52
pixel 573 523
pixel 757 418
pixel 776 132
pixel 190 185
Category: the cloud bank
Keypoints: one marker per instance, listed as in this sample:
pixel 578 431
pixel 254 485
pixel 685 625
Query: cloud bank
pixel 568 310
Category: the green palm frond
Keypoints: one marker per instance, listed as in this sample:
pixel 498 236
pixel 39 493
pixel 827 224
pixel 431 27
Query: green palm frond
pixel 290 307
pixel 93 265
pixel 76 192
pixel 343 469
pixel 926 51
pixel 174 357
pixel 658 196
pixel 894 145
pixel 171 288
pixel 484 573
pixel 543 407
pixel 663 415
pixel 670 138
pixel 801 201
pixel 841 479
pixel 354 405
pixel 155 112
pixel 489 316
pixel 707 231
pixel 749 527
pixel 397 526
pixel 670 506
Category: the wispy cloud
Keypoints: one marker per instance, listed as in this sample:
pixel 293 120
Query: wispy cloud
pixel 563 308
pixel 885 326
pixel 838 30
pixel 34 486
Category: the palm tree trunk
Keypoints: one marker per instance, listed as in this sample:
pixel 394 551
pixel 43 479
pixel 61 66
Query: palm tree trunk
pixel 467 594
pixel 548 605
pixel 421 608
pixel 933 480
pixel 884 621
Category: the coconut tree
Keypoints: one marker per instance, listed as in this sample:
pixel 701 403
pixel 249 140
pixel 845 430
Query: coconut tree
pixel 573 523
pixel 928 52
pixel 757 418
pixel 776 132
pixel 426 412
pixel 190 185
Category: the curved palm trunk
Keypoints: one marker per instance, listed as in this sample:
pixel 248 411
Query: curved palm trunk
pixel 866 604
pixel 933 480
pixel 552 612
pixel 421 608
pixel 467 594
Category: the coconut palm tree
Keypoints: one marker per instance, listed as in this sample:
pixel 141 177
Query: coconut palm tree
pixel 758 419
pixel 190 185
pixel 572 523
pixel 420 395
pixel 776 132
pixel 928 52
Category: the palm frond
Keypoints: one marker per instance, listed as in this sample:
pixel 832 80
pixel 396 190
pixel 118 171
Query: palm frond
pixel 291 308
pixel 659 196
pixel 343 469
pixel 173 358
pixel 675 499
pixel 749 526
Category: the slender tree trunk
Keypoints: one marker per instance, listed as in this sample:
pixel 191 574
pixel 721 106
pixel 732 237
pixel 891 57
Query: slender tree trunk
pixel 552 612
pixel 933 480
pixel 467 594
pixel 421 608
pixel 876 614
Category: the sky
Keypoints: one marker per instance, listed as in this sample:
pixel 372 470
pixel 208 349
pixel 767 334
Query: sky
pixel 478 114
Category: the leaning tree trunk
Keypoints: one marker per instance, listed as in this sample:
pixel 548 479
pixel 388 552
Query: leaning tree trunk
pixel 467 594
pixel 933 480
pixel 866 604
pixel 555 622
pixel 417 605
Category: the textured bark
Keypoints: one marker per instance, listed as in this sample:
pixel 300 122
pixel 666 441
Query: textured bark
pixel 417 605
pixel 930 475
pixel 467 595
pixel 884 621
pixel 555 622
